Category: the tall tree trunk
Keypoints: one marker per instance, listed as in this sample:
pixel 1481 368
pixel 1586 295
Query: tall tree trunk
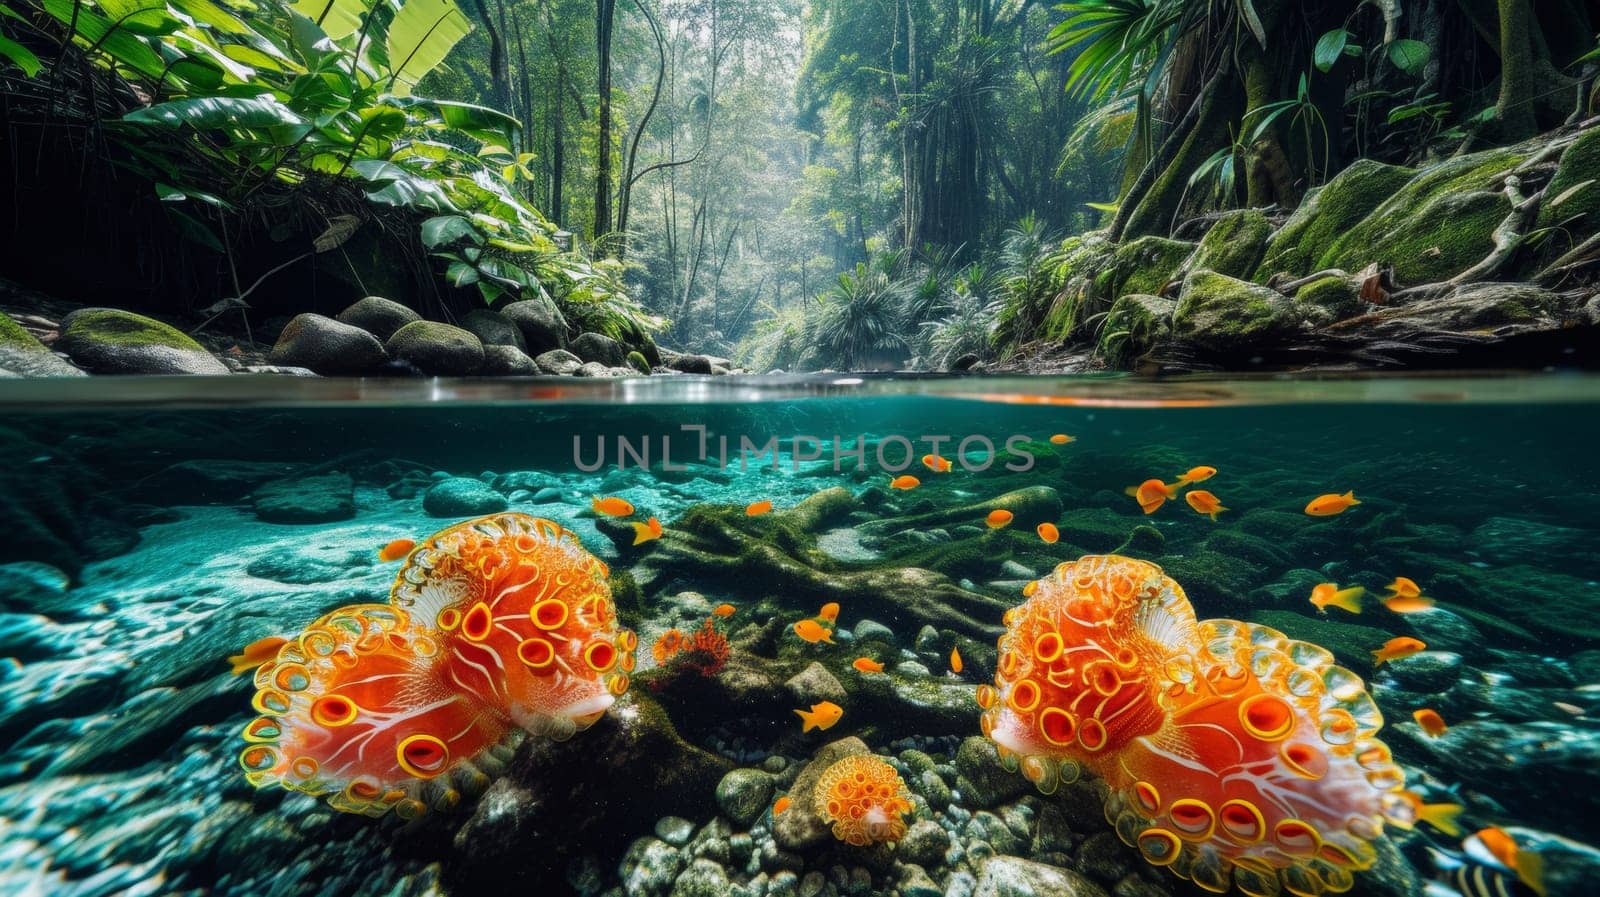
pixel 558 143
pixel 1217 105
pixel 625 190
pixel 497 57
pixel 1513 111
pixel 605 15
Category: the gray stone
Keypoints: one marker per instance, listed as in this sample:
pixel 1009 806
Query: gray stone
pixel 317 499
pixel 440 350
pixel 983 782
pixel 801 826
pixel 110 341
pixel 674 830
pixel 601 348
pixel 690 364
pixel 925 843
pixel 462 497
pixel 1227 315
pixel 1007 876
pixel 22 354
pixel 743 795
pixel 559 362
pixel 507 361
pixel 208 481
pixel 649 867
pixel 493 328
pixel 872 629
pixel 543 328
pixel 1426 671
pixel 327 346
pixel 598 370
pixel 814 684
pixel 378 316
pixel 703 878
pixel 914 882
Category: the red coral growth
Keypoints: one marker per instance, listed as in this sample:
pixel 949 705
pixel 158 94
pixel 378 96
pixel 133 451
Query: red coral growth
pixel 705 652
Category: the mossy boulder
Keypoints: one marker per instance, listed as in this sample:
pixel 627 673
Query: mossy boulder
pixel 1082 259
pixel 1435 226
pixel 1577 185
pixel 1335 294
pixel 543 326
pixel 1133 326
pixel 441 350
pixel 1226 315
pixel 1327 212
pixel 636 360
pixel 1234 245
pixel 1505 308
pixel 328 346
pixel 493 328
pixel 378 316
pixel 112 341
pixel 23 355
pixel 1144 265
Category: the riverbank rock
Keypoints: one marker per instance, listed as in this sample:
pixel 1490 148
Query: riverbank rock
pixel 1326 213
pixel 542 326
pixel 23 355
pixel 601 348
pixel 110 341
pixel 378 316
pixel 1136 323
pixel 1226 315
pixel 441 350
pixel 559 362
pixel 1505 308
pixel 507 361
pixel 327 346
pixel 1234 244
pixel 493 328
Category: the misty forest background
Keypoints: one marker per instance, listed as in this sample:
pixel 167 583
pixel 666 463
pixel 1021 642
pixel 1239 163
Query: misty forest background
pixel 793 185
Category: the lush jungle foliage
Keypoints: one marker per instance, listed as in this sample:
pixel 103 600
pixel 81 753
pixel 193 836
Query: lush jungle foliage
pixel 832 183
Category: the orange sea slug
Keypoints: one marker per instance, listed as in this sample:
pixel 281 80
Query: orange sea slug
pixel 1234 754
pixel 864 800
pixel 495 626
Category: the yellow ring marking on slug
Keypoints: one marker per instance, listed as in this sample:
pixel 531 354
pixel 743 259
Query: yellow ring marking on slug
pixel 449 619
pixel 1057 726
pixel 1091 734
pixel 986 696
pixel 422 755
pixel 1047 647
pixel 1266 717
pixel 1304 760
pixel 618 684
pixel 551 613
pixel 333 711
pixel 1243 821
pixel 1296 837
pixel 600 656
pixel 536 652
pixel 1193 819
pixel 263 729
pixel 478 622
pixel 258 758
pixel 1148 797
pixel 303 767
pixel 1159 846
pixel 1024 696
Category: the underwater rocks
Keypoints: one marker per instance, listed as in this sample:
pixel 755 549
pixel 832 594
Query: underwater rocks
pixel 1004 876
pixel 462 497
pixel 327 346
pixel 743 795
pixel 322 498
pixel 58 511
pixel 109 341
pixel 208 481
pixel 802 825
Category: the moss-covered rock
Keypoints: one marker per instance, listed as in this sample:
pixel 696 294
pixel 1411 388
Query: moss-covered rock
pixel 111 341
pixel 1227 315
pixel 1337 295
pixel 1505 308
pixel 23 355
pixel 1133 326
pixel 1076 299
pixel 1327 212
pixel 1234 245
pixel 636 360
pixel 1580 165
pixel 1144 265
pixel 439 349
pixel 1436 225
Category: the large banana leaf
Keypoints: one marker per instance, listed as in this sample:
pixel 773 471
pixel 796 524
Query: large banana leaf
pixel 481 123
pixel 422 32
pixel 218 112
pixel 122 45
pixel 338 18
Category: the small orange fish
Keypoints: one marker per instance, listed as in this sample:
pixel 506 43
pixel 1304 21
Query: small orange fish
pixel 1048 532
pixel 1205 503
pixel 1326 593
pixel 1430 721
pixel 1404 587
pixel 813 632
pixel 396 550
pixel 1397 648
pixel 997 518
pixel 646 532
pixel 1062 439
pixel 611 507
pixel 905 482
pixel 1401 604
pixel 955 660
pixel 723 610
pixel 756 509
pixel 256 653
pixel 822 715
pixel 781 805
pixel 867 665
pixel 936 463
pixel 1152 494
pixel 1331 504
pixel 1198 474
pixel 829 612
